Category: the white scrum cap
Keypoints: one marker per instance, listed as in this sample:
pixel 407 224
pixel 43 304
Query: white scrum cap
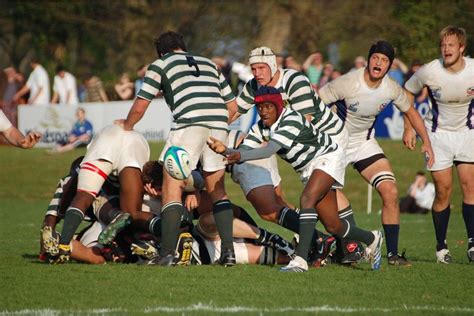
pixel 264 55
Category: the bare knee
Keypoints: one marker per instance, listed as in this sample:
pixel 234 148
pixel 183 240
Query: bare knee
pixel 269 217
pixel 388 192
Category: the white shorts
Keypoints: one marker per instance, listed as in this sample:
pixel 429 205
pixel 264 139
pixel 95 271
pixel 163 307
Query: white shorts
pixel 360 150
pixel 91 236
pixel 214 250
pixel 121 148
pixel 256 173
pixel 194 140
pixel 451 146
pixel 333 163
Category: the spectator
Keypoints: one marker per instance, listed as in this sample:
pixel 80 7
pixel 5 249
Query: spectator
pixel 125 87
pixel 422 96
pixel 359 62
pixel 64 87
pixel 37 85
pixel 225 67
pixel 291 63
pixel 313 68
pixel 326 77
pixel 8 106
pixel 397 71
pixel 335 74
pixel 141 71
pixel 94 90
pixel 420 196
pixel 80 135
pixel 20 83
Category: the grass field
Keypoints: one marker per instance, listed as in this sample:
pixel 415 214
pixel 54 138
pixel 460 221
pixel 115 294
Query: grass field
pixel 28 179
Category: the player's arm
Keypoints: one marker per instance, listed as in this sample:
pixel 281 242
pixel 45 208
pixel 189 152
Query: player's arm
pixel 240 155
pixel 233 113
pixel 17 139
pixel 409 135
pixel 416 121
pixel 136 113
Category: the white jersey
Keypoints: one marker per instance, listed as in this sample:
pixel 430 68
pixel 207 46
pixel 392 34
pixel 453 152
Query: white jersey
pixel 425 197
pixel 358 105
pixel 37 80
pixel 451 95
pixel 4 122
pixel 121 148
pixel 66 88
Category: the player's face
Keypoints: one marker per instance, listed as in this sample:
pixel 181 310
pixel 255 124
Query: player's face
pixel 451 50
pixel 262 73
pixel 378 66
pixel 268 113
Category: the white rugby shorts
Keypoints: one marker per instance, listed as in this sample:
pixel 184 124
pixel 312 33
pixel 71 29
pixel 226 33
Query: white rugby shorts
pixel 449 146
pixel 360 150
pixel 194 140
pixel 121 148
pixel 333 163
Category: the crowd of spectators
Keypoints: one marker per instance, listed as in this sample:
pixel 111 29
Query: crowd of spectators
pixel 66 91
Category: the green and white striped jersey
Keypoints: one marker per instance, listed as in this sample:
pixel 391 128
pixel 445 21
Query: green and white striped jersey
pixel 195 91
pixel 296 92
pixel 300 140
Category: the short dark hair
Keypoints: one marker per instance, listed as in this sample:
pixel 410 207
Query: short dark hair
pixel 168 42
pixel 153 174
pixel 60 68
pixel 420 173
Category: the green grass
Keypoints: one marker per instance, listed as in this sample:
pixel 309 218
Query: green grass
pixel 28 179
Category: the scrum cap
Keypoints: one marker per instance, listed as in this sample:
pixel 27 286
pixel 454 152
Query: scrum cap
pixel 269 94
pixel 264 55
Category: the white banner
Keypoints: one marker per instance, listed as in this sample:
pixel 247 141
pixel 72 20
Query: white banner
pixel 56 121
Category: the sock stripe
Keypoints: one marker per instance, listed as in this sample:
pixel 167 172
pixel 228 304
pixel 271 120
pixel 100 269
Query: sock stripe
pixel 348 228
pixel 170 204
pixel 282 215
pixel 346 213
pixel 152 223
pixel 76 211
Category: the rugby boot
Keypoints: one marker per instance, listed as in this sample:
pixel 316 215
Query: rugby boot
pixel 227 258
pixel 116 225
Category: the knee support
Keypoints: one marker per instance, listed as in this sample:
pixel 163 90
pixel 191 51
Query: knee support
pixel 381 177
pixel 93 175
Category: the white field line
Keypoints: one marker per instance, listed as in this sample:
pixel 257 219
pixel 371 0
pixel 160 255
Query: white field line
pixel 200 307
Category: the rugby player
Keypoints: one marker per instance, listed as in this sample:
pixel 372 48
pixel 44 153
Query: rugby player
pixel 116 152
pixel 201 102
pixel 359 96
pixel 316 157
pixel 450 125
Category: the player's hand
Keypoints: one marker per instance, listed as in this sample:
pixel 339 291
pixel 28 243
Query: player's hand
pixel 120 122
pixel 409 138
pixel 216 145
pixel 151 190
pixel 192 200
pixel 30 140
pixel 233 158
pixel 429 154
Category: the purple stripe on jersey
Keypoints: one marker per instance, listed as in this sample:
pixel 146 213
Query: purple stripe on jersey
pixel 469 115
pixel 341 110
pixel 434 110
pixel 369 131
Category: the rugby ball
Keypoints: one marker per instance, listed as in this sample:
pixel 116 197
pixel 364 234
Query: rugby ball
pixel 176 163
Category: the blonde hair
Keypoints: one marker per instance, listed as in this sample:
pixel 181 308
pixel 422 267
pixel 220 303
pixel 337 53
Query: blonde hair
pixel 450 30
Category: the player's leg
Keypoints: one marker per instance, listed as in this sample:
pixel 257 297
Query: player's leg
pixel 90 180
pixel 171 214
pixel 348 251
pixel 214 172
pixel 441 211
pixel 466 179
pixel 379 174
